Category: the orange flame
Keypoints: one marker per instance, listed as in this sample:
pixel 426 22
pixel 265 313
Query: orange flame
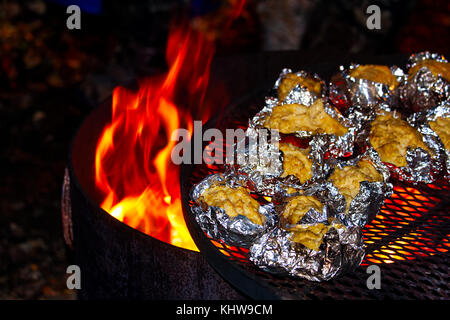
pixel 133 167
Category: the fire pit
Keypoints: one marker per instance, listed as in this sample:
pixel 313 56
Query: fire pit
pixel 117 261
pixel 128 231
pixel 408 239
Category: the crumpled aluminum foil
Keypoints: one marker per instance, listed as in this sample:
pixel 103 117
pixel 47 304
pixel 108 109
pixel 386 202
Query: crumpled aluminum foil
pixel 420 163
pixel 235 231
pixel 265 177
pixel 325 148
pixel 420 120
pixel 370 197
pixel 419 168
pixel 263 162
pixel 424 90
pixel 298 95
pixel 361 97
pixel 342 250
pixel 337 146
pixel 258 120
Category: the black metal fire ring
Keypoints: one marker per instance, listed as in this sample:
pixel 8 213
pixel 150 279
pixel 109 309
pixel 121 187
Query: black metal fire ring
pixel 116 260
pixel 408 239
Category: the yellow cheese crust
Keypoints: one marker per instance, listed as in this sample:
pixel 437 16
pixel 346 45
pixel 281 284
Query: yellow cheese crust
pixel 291 80
pixel 442 128
pixel 436 68
pixel 234 201
pixel 297 207
pixel 311 236
pixel 348 179
pixel 296 162
pixel 375 73
pixel 290 118
pixel 391 137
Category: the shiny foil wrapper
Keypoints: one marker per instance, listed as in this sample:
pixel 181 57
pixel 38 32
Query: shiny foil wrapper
pixel 360 98
pixel 341 251
pixel 235 231
pixel 342 247
pixel 420 163
pixel 370 197
pixel 263 162
pixel 264 175
pixel 299 94
pixel 419 169
pixel 338 146
pixel 424 90
pixel 258 120
pixel 440 163
pixel 354 103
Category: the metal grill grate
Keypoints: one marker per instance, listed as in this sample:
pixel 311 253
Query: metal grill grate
pixel 412 223
pixel 408 239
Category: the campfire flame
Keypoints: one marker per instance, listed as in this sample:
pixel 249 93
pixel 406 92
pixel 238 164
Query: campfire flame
pixel 133 167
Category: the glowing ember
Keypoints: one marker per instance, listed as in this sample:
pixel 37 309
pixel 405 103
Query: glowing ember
pixel 407 205
pixel 133 168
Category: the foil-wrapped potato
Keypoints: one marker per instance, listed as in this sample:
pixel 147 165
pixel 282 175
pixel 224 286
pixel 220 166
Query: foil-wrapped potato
pixel 290 118
pixel 391 136
pixel 234 201
pixel 437 68
pixel 427 83
pixel 348 179
pixel 375 73
pixel 290 80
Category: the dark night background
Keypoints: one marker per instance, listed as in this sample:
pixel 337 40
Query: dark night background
pixel 52 77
